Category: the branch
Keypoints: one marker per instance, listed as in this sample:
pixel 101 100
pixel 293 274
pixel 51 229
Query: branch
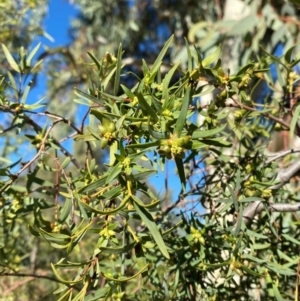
pixel 286 174
pixel 193 189
pixel 29 275
pixel 268 115
pixel 282 154
pixel 257 207
pixel 38 129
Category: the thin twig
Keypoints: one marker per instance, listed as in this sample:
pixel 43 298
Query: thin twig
pixel 268 115
pixel 282 154
pixel 39 276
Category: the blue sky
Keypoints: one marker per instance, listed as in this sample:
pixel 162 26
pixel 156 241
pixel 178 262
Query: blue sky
pixel 56 25
pixel 57 22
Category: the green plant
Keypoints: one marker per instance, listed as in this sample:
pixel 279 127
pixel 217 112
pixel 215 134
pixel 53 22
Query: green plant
pixel 112 236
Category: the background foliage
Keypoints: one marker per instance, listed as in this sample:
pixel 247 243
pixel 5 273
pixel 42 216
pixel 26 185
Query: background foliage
pixel 79 216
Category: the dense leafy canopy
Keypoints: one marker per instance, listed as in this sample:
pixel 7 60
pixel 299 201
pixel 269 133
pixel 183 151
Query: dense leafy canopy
pixel 80 215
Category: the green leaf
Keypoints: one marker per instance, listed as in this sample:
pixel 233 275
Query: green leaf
pixel 183 112
pixel 26 91
pixel 118 250
pixel 207 133
pixel 128 92
pixel 159 59
pixel 255 234
pixel 141 176
pixel 89 208
pixel 288 54
pixel 197 145
pixel 167 80
pixel 146 107
pixel 32 54
pixel 245 68
pixel 181 172
pixel 205 89
pixel 239 222
pixel 221 142
pixel 60 289
pixel 107 80
pixel 291 239
pixel 144 145
pixel 10 59
pixel 66 209
pixel 141 204
pixel 158 135
pixel 114 172
pixel 260 246
pixel 118 71
pixel 112 193
pixel 150 224
pixel 234 198
pixel 280 269
pixel 277 293
pixel 126 279
pixel 98 294
pixel 89 97
pixel 97 63
pixel 252 199
pixel 274 58
pixel 189 56
pixel 254 259
pixel 36 105
pixel 63 280
pixel 12 82
pixel 294 121
pixel 212 57
pixel 66 296
pixel 54 237
pixel 36 65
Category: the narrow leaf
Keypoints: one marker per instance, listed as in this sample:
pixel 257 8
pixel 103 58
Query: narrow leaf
pixel 149 222
pixel 118 71
pixel 189 56
pixel 88 208
pixel 92 186
pixel 207 133
pixel 167 81
pixel 212 57
pixel 146 107
pixel 32 54
pixel 162 54
pixel 128 92
pixel 26 91
pixel 66 209
pixel 183 112
pixel 12 82
pixel 97 63
pixel 181 172
pixel 288 54
pixel 98 294
pixel 158 135
pixel 118 250
pixel 10 59
pixel 114 172
pixel 89 97
pixel 124 279
pixel 61 279
pixel 143 145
